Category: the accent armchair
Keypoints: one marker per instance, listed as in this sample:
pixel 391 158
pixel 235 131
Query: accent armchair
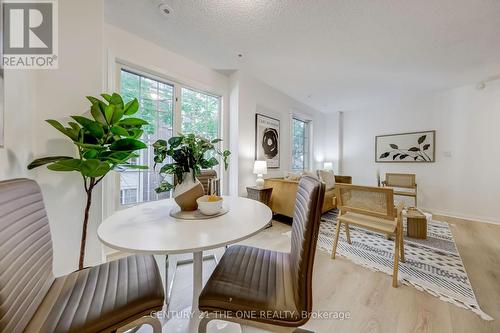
pixel 112 297
pixel 402 180
pixel 371 208
pixel 270 287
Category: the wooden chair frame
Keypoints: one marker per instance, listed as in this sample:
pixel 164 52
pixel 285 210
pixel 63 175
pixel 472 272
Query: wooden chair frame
pixel 392 214
pixel 411 176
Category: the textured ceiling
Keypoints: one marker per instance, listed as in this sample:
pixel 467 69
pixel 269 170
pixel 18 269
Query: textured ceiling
pixel 330 54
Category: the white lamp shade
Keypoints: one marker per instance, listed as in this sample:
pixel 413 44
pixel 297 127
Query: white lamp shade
pixel 328 165
pixel 260 167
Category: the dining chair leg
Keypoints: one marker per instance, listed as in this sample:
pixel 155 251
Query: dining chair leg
pixel 347 233
pixel 402 244
pixel 336 240
pixel 396 260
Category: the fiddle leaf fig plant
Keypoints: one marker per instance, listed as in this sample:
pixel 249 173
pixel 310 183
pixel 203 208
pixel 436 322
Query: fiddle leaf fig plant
pixel 190 154
pixel 105 142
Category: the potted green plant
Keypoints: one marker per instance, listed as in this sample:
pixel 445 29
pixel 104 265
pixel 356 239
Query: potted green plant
pixel 105 142
pixel 190 154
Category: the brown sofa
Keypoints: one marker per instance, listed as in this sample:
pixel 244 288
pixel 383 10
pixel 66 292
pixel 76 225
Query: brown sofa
pixel 284 192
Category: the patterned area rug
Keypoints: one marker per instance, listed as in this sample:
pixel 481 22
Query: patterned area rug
pixel 432 265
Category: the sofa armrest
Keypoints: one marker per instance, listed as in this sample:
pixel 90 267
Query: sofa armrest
pixel 343 179
pixel 283 197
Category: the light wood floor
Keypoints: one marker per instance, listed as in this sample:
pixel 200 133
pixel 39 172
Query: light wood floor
pixel 373 305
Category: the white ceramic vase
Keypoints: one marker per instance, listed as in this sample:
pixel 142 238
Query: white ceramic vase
pixel 187 191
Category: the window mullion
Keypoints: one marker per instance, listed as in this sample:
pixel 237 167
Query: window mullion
pixel 177 121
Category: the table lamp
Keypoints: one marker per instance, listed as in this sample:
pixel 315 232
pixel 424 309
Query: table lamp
pixel 260 168
pixel 328 166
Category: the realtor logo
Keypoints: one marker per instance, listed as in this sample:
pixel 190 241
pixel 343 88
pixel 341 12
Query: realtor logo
pixel 29 34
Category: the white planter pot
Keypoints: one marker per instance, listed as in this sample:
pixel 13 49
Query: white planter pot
pixel 187 191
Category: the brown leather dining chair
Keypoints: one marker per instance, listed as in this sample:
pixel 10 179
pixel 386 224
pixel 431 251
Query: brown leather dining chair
pixel 112 297
pixel 254 286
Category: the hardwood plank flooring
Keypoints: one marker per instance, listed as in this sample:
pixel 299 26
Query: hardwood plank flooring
pixel 373 305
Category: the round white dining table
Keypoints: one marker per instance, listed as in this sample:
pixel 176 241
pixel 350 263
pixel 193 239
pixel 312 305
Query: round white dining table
pixel 148 228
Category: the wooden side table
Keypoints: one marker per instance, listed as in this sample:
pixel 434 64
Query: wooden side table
pixel 416 223
pixel 260 194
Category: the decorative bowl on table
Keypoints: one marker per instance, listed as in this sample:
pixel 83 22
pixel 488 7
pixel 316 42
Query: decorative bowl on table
pixel 210 204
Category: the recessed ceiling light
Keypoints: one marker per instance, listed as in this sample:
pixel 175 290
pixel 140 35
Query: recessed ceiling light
pixel 165 9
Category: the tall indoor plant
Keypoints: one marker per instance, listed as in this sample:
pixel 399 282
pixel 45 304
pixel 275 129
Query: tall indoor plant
pixel 189 154
pixel 105 142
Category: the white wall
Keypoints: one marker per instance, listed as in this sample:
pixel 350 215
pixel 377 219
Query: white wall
pixel 465 184
pixel 59 94
pixel 331 141
pixel 258 97
pixel 19 120
pixel 234 99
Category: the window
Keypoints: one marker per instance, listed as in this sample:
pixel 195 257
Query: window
pixel 156 100
pixel 128 196
pixel 200 113
pixel 300 144
pixel 197 112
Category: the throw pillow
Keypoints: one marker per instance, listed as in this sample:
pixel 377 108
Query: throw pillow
pixel 328 178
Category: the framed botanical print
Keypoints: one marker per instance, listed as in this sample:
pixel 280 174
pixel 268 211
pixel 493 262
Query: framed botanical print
pixel 416 147
pixel 267 140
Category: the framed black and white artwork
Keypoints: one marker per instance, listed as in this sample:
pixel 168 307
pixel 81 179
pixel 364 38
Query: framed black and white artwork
pixel 416 147
pixel 267 140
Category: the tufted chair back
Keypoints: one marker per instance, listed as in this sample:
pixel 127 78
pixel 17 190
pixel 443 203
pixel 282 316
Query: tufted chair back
pixel 305 229
pixel 25 253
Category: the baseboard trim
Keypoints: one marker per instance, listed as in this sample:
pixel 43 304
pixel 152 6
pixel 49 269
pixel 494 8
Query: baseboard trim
pixel 461 216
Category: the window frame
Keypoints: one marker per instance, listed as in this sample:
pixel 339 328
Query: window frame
pixel 309 130
pixel 113 186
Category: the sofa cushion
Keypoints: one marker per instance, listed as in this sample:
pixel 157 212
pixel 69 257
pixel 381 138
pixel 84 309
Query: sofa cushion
pixel 328 178
pixel 293 176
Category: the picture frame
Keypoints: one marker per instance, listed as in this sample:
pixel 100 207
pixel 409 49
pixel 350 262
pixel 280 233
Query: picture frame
pixel 412 147
pixel 267 140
